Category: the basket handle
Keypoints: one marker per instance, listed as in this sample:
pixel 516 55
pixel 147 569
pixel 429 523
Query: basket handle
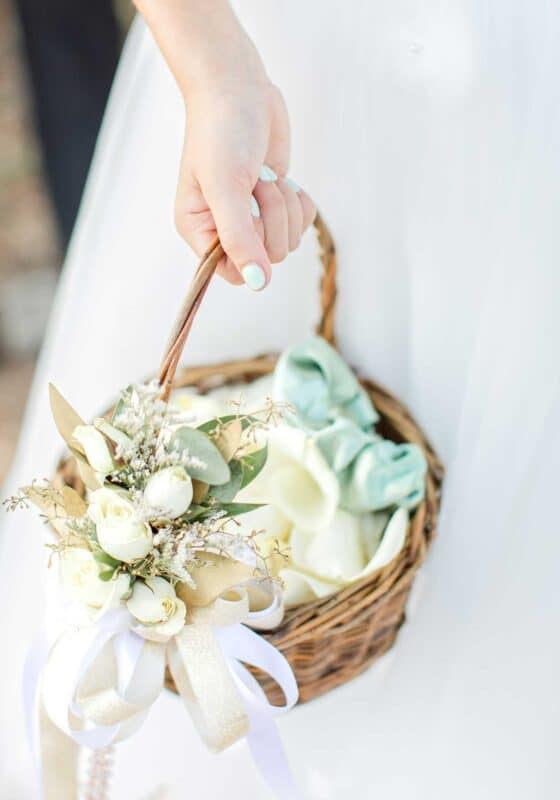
pixel 201 281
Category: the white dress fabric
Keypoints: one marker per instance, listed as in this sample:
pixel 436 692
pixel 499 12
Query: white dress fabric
pixel 428 135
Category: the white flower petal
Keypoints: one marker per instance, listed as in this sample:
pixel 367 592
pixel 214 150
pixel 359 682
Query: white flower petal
pixel 95 447
pixel 392 542
pixel 335 553
pixel 302 588
pixel 372 525
pixel 79 575
pixel 119 531
pixel 169 491
pixel 296 479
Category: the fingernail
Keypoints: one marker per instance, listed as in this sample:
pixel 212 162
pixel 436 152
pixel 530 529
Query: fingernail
pixel 293 185
pixel 267 174
pixel 255 210
pixel 254 276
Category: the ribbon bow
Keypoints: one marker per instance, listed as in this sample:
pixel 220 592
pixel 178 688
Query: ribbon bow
pixel 99 682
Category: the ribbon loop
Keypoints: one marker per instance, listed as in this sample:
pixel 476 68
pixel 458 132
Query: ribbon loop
pixel 100 681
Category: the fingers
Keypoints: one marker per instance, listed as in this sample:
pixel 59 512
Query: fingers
pixel 294 211
pixel 274 216
pixel 222 204
pixel 255 229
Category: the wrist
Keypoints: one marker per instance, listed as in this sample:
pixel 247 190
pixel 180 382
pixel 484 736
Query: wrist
pixel 204 44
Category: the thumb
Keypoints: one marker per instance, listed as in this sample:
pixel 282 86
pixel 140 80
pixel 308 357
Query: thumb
pixel 229 200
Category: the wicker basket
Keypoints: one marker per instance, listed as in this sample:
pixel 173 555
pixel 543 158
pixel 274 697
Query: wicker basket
pixel 331 640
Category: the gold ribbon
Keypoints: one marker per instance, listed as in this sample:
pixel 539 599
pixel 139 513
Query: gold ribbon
pixel 80 691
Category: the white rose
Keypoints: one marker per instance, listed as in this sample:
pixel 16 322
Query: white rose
pixel 79 575
pixel 157 608
pixel 95 447
pixel 170 491
pixel 119 531
pixel 296 479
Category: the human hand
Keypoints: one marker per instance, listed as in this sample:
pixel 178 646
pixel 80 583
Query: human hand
pixel 258 212
pixel 236 123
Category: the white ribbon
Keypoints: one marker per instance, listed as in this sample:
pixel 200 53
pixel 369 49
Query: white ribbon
pixel 99 682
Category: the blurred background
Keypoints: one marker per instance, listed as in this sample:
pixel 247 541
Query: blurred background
pixel 57 61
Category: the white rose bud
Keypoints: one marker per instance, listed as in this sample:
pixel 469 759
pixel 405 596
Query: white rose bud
pixel 157 608
pixel 119 531
pixel 169 491
pixel 95 447
pixel 79 575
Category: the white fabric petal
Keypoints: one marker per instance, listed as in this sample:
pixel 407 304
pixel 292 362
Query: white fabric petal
pixel 391 543
pixel 299 587
pixel 335 553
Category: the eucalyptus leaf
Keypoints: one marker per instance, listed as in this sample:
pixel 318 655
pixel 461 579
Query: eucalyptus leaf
pixel 228 491
pixel 195 443
pixel 252 464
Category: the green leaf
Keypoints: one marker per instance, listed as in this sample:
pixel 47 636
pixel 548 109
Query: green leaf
pixel 195 512
pixel 252 464
pixel 106 574
pixel 104 558
pixel 119 408
pixel 227 491
pixel 197 444
pixel 236 509
pixel 199 513
pixel 210 426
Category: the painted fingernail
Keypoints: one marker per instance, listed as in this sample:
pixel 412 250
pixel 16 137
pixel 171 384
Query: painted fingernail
pixel 267 174
pixel 254 276
pixel 255 210
pixel 292 184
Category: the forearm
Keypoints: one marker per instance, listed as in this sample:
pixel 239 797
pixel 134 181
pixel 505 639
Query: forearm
pixel 203 43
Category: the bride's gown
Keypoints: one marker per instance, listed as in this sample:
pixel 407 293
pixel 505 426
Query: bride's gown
pixel 429 136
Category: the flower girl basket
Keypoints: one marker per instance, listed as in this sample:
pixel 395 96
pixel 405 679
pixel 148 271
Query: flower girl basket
pixel 331 640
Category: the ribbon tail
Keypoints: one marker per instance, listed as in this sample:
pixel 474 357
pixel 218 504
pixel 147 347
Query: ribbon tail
pixel 207 688
pixel 59 759
pixel 263 738
pixel 55 755
pixel 241 644
pixel 270 758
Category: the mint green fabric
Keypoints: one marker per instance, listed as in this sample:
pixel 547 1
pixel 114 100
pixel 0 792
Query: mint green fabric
pixel 331 405
pixel 322 387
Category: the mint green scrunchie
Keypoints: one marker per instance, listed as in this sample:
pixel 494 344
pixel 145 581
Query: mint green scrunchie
pixel 329 402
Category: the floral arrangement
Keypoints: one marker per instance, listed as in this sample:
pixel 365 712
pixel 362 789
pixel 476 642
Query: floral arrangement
pixel 199 523
pixel 160 504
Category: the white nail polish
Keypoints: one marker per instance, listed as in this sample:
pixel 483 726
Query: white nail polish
pixel 254 276
pixel 267 175
pixel 255 210
pixel 293 185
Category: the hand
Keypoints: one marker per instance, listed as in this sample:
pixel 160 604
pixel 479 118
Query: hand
pixel 233 130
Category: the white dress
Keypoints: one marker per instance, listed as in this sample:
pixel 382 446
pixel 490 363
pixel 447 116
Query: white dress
pixel 428 134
